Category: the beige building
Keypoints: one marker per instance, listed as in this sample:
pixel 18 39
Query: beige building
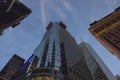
pixel 107 32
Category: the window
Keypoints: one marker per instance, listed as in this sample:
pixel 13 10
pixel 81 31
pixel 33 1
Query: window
pixel 118 44
pixel 46 78
pixel 115 41
pixel 41 78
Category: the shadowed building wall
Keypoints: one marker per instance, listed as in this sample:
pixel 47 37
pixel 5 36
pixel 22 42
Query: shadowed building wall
pixel 11 13
pixel 12 67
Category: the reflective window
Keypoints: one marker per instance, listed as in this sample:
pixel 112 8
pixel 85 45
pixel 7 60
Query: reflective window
pixel 57 51
pixel 49 57
pixel 50 48
pixel 57 54
pixel 50 51
pixel 57 63
pixel 56 67
pixel 51 44
pixel 57 58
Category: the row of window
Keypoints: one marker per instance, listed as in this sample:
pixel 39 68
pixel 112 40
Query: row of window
pixel 106 25
pixel 41 78
pixel 113 39
pixel 116 33
pixel 53 54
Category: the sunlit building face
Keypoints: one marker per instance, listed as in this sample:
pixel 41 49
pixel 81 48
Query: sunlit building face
pixel 107 32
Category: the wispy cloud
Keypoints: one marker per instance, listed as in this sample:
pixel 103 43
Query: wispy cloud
pixel 61 14
pixel 42 8
pixel 67 5
pixel 54 7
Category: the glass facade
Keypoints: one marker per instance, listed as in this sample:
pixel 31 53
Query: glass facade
pixel 47 54
pixel 57 52
pixel 53 55
pixel 97 68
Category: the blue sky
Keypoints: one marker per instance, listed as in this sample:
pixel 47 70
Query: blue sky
pixel 76 14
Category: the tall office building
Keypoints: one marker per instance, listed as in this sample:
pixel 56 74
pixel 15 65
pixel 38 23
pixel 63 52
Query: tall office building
pixel 107 32
pixel 11 13
pixel 98 69
pixel 22 70
pixel 11 67
pixel 57 57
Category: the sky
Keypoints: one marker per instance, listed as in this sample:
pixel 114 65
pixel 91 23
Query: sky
pixel 76 14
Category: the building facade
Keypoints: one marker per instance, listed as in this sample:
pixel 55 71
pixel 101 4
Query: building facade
pixel 57 57
pixel 98 69
pixel 107 32
pixel 22 70
pixel 11 13
pixel 118 77
pixel 2 77
pixel 11 67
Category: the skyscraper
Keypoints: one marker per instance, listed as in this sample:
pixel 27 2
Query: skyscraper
pixel 107 32
pixel 57 57
pixel 11 13
pixel 11 67
pixel 98 69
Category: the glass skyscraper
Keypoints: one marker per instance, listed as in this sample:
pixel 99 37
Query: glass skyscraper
pixel 98 69
pixel 57 57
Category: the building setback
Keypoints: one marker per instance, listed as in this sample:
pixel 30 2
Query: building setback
pixel 107 32
pixel 11 67
pixel 57 57
pixel 98 69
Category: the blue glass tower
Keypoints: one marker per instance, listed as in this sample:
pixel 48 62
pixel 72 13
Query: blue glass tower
pixel 57 57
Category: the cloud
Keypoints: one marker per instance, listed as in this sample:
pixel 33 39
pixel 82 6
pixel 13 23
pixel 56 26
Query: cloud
pixel 61 14
pixel 67 5
pixel 42 8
